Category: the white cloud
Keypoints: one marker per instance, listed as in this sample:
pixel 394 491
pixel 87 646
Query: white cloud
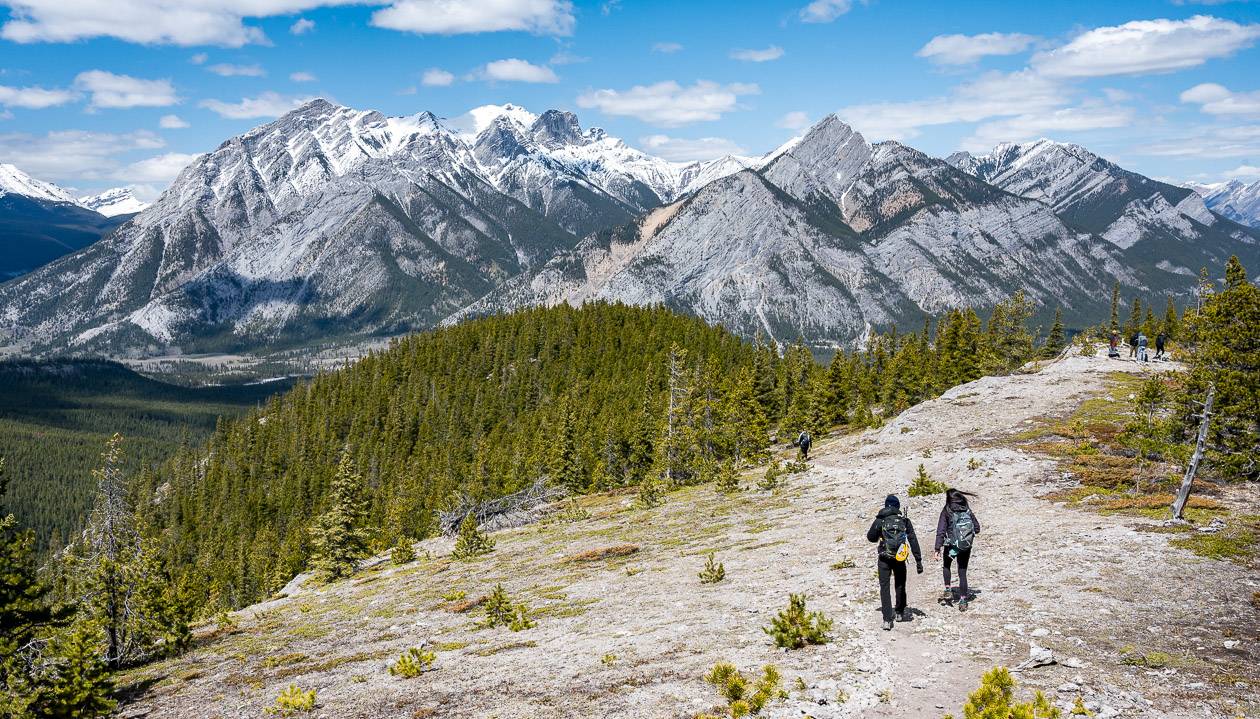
pixel 172 122
pixel 1242 141
pixel 564 57
pixel 159 169
pixel 1087 116
pixel 667 48
pixel 268 104
pixel 1244 172
pixel 825 10
pixel 119 91
pixel 302 77
pixel 199 59
pixel 678 149
pixel 450 17
pixel 226 70
pixel 992 95
pixel 774 52
pixel 222 22
pixel 966 49
pixel 1216 99
pixel 35 98
pixel 437 77
pixel 73 155
pixel 793 121
pixel 1145 46
pixel 669 104
pixel 302 26
pixel 516 70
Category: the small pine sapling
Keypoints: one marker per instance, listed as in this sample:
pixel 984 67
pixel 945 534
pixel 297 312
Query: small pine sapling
pixel 413 662
pixel 744 699
pixel 472 542
pixel 501 612
pixel 402 552
pixel 727 478
pixel 651 492
pixel 293 700
pixel 713 572
pixel 795 627
pixel 923 484
pixel 993 700
pixel 1080 710
pixel 773 472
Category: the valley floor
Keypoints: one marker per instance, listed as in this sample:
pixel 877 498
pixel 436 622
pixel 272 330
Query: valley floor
pixel 633 636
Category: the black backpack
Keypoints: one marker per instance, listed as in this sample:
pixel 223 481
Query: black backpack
pixel 962 530
pixel 892 532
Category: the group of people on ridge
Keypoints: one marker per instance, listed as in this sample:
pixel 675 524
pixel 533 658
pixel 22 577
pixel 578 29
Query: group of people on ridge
pixel 1138 346
pixel 892 530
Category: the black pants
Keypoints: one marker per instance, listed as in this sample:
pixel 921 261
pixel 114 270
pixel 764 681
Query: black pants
pixel 805 450
pixel 963 558
pixel 891 568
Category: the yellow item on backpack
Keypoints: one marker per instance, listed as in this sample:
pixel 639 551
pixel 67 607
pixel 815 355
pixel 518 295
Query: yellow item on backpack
pixel 903 552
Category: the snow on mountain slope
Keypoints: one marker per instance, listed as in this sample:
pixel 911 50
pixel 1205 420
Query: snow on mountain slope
pixel 110 203
pixel 1235 200
pixel 832 237
pixel 13 180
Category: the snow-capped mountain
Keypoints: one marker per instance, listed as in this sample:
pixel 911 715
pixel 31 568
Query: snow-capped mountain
pixel 40 222
pixel 14 181
pixel 1154 222
pixel 1237 200
pixel 114 202
pixel 833 236
pixel 333 225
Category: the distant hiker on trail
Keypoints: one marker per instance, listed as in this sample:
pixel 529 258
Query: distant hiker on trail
pixel 1160 340
pixel 956 532
pixel 897 542
pixel 1133 338
pixel 1115 346
pixel 803 440
pixel 1141 343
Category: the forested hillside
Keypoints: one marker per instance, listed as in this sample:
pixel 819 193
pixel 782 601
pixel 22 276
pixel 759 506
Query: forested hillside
pixel 592 398
pixel 55 417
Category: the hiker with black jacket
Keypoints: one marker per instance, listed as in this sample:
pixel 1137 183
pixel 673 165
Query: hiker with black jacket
pixel 956 531
pixel 897 541
pixel 803 440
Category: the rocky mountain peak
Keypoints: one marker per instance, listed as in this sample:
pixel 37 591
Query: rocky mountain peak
pixel 824 163
pixel 557 128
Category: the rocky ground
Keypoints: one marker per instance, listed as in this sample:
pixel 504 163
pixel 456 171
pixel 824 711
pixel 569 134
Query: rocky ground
pixel 1137 627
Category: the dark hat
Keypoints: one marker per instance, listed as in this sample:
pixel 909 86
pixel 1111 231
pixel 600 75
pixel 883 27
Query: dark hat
pixel 892 501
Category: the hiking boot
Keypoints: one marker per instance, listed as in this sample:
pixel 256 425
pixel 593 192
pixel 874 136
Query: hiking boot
pixel 904 616
pixel 888 626
pixel 947 596
pixel 962 604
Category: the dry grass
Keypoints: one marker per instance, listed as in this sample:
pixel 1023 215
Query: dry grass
pixel 467 604
pixel 613 552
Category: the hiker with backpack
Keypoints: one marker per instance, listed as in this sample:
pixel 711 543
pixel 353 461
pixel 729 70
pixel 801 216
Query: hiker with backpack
pixel 1141 343
pixel 956 532
pixel 1133 338
pixel 897 541
pixel 1161 340
pixel 803 440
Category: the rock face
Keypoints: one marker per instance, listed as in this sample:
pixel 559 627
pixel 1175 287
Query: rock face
pixel 1235 200
pixel 830 238
pixel 1164 231
pixel 113 203
pixel 334 225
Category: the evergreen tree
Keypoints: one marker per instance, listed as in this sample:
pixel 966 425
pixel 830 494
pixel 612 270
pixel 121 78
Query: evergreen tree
pixel 76 676
pixel 744 418
pixel 1114 326
pixel 675 458
pixel 338 535
pixel 564 468
pixel 1056 341
pixel 1171 323
pixel 108 556
pixel 1135 319
pixel 471 542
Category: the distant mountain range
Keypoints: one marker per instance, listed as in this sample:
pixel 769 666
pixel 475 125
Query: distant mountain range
pixel 40 222
pixel 1237 200
pixel 334 225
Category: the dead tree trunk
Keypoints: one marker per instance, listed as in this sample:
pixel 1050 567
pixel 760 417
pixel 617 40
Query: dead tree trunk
pixel 1183 494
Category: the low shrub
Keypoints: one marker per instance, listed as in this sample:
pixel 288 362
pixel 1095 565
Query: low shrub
pixel 472 542
pixel 993 700
pixel 795 627
pixel 501 612
pixel 413 662
pixel 742 697
pixel 712 572
pixel 923 484
pixel 293 701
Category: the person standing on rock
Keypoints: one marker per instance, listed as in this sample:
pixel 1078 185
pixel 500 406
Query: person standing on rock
pixel 1141 343
pixel 1161 340
pixel 956 532
pixel 897 541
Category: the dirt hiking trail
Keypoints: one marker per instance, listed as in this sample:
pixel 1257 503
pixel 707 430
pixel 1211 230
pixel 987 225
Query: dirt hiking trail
pixel 634 635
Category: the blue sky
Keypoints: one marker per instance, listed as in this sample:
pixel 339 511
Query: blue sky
pixel 99 93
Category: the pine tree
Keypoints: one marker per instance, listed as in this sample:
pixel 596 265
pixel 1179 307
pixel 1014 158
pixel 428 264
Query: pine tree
pixel 1056 341
pixel 564 468
pixel 77 678
pixel 338 535
pixel 1114 326
pixel 744 419
pixel 108 554
pixel 1171 322
pixel 675 456
pixel 471 542
pixel 1134 324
